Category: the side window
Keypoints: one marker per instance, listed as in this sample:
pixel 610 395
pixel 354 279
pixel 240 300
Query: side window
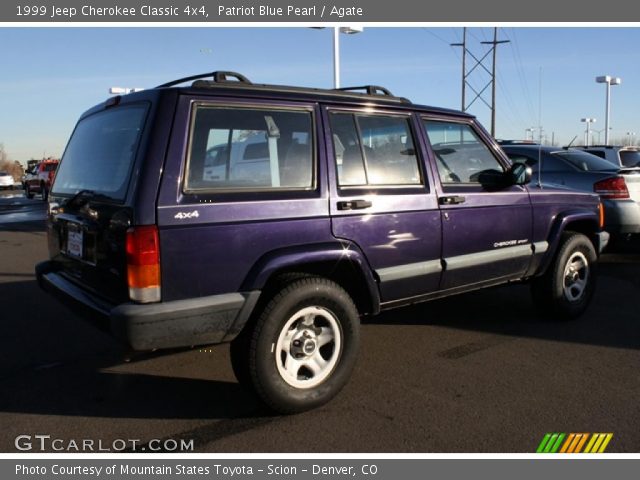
pixel 375 150
pixel 249 149
pixel 461 156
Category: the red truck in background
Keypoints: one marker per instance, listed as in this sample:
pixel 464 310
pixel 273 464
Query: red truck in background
pixel 40 178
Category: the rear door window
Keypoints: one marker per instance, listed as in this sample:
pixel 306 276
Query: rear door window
pixel 101 152
pixel 374 150
pixel 245 149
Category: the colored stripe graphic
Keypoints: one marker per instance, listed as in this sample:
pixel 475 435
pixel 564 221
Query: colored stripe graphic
pixel 574 443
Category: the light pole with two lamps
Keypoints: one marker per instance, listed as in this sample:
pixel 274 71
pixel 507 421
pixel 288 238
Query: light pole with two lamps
pixel 587 133
pixel 609 80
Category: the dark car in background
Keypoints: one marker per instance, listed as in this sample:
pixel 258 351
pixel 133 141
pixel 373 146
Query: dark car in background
pixel 619 188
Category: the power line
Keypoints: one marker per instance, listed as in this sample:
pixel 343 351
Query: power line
pixel 479 64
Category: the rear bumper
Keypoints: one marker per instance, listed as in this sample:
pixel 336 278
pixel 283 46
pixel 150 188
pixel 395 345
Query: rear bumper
pixel 181 323
pixel 622 216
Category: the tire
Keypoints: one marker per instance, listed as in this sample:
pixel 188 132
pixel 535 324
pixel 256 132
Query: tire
pixel 302 347
pixel 44 192
pixel 567 287
pixel 27 192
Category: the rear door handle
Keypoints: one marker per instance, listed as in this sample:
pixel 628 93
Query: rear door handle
pixel 354 204
pixel 452 200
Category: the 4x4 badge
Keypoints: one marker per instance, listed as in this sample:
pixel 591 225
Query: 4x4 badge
pixel 186 215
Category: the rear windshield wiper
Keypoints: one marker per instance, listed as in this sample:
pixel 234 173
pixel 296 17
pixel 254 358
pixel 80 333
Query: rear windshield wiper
pixel 86 195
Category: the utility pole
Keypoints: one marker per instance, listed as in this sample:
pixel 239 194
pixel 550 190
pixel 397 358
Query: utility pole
pixel 494 44
pixel 464 64
pixel 480 62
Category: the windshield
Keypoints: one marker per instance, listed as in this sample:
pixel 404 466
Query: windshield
pixel 585 161
pixel 100 154
pixel 630 158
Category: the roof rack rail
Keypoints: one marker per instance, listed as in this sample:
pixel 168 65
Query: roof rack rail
pixel 220 76
pixel 369 89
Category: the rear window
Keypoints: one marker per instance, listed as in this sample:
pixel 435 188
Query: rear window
pixel 50 167
pixel 630 158
pixel 100 154
pixel 585 161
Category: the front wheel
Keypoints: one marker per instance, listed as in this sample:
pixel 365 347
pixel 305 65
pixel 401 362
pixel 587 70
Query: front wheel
pixel 302 347
pixel 566 289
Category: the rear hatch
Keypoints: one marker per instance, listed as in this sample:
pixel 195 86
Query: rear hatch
pixel 90 203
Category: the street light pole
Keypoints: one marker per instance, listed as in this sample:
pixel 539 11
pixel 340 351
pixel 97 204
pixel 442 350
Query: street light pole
pixel 609 81
pixel 587 134
pixel 630 135
pixel 336 57
pixel 336 49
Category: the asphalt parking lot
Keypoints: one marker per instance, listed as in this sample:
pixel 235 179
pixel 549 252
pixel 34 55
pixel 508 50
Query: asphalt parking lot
pixel 478 373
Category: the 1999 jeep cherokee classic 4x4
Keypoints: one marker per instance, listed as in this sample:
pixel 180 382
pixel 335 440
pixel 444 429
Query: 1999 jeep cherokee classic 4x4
pixel 339 204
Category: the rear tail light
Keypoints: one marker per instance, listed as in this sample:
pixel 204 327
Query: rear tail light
pixel 612 188
pixel 143 264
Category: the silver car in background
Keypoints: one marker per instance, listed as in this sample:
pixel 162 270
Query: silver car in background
pixel 619 188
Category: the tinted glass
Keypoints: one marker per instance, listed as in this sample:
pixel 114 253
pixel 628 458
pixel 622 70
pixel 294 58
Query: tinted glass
pixel 101 152
pixel 374 150
pixel 460 154
pixel 630 158
pixel 585 161
pixel 250 149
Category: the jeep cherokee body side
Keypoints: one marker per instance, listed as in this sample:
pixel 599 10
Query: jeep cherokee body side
pixel 360 202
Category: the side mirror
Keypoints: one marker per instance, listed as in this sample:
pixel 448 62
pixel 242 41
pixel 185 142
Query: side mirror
pixel 520 174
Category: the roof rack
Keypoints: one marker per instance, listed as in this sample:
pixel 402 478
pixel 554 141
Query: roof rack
pixel 369 89
pixel 234 79
pixel 219 76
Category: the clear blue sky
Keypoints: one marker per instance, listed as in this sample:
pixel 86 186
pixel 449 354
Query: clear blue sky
pixel 49 76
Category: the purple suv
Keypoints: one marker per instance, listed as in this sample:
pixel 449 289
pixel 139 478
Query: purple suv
pixel 275 217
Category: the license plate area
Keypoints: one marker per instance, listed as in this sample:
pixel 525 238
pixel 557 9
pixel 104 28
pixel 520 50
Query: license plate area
pixel 79 243
pixel 75 241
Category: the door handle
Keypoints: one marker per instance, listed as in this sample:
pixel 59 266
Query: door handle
pixel 452 200
pixel 354 204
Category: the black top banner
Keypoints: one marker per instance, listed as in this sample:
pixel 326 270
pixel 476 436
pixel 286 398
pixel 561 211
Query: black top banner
pixel 315 11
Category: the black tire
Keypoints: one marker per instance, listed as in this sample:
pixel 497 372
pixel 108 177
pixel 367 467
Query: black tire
pixel 567 287
pixel 27 192
pixel 309 324
pixel 44 192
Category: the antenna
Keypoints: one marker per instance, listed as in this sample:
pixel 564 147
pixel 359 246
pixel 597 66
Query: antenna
pixel 540 162
pixel 540 129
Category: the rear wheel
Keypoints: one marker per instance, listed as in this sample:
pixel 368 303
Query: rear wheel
pixel 302 348
pixel 27 192
pixel 566 289
pixel 44 192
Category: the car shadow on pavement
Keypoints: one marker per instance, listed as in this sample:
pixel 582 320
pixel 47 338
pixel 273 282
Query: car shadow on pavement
pixel 89 391
pixel 611 320
pixel 52 363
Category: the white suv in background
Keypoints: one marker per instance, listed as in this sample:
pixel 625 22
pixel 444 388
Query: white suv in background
pixel 623 157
